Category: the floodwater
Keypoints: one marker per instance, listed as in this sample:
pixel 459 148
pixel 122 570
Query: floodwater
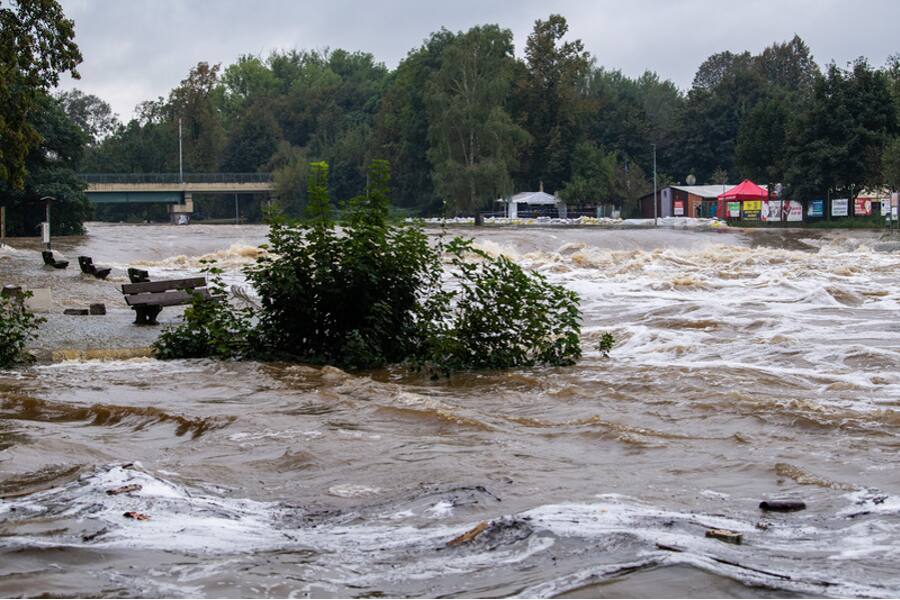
pixel 749 366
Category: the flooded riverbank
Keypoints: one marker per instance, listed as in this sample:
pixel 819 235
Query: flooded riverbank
pixel 749 366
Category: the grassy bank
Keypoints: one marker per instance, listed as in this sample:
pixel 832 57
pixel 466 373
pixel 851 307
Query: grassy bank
pixel 867 222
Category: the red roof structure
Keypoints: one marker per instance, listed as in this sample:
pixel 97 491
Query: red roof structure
pixel 745 190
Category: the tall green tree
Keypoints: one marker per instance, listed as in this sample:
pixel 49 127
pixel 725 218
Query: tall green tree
pixel 194 102
pixel 252 141
pixel 474 144
pixel 91 113
pixel 593 175
pixel 51 170
pixel 838 140
pixel 553 101
pixel 401 126
pixel 37 44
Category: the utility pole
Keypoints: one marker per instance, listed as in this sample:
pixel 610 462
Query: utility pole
pixel 655 198
pixel 180 155
pixel 237 214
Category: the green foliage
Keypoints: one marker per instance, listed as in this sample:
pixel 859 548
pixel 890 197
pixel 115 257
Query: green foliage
pixel 593 175
pixel 89 112
pixel 51 171
pixel 36 46
pixel 369 292
pixel 17 327
pixel 211 327
pixel 551 102
pixel 500 316
pixel 473 141
pixel 607 341
pixel 346 299
pixel 890 163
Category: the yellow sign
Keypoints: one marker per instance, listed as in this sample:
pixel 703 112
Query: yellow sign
pixel 752 205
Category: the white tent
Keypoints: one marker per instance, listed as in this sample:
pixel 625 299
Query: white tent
pixel 532 198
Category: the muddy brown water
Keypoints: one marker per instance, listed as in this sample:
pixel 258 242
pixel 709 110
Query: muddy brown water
pixel 748 366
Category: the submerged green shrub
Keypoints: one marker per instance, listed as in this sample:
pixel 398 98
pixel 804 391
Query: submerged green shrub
pixel 501 316
pixel 17 328
pixel 211 327
pixel 369 292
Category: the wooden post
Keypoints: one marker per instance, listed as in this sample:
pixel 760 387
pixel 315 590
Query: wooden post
pixel 2 225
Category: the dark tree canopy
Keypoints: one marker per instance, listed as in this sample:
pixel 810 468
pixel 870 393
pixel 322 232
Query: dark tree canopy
pixel 36 46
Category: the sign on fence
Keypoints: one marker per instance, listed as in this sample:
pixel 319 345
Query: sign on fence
pixel 816 208
pixel 839 207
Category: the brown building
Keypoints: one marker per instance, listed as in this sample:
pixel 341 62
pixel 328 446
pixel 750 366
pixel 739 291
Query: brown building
pixel 684 201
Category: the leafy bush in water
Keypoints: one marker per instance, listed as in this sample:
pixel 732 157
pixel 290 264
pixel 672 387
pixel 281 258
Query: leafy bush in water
pixel 211 327
pixel 347 297
pixel 501 316
pixel 371 292
pixel 17 327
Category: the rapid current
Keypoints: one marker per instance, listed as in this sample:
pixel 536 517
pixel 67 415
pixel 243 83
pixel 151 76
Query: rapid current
pixel 748 366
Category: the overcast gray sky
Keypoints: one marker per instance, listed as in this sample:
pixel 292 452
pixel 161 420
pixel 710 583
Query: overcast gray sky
pixel 136 50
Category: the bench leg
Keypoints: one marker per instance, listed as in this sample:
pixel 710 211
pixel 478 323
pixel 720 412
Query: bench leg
pixel 146 315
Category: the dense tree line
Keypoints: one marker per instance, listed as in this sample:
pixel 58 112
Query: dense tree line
pixel 463 120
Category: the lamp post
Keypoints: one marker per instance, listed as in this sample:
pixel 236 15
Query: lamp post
pixel 655 198
pixel 45 230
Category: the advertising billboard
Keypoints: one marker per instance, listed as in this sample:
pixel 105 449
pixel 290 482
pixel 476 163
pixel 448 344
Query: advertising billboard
pixel 734 210
pixel 678 208
pixel 816 208
pixel 771 210
pixel 752 209
pixel 862 207
pixel 792 211
pixel 839 207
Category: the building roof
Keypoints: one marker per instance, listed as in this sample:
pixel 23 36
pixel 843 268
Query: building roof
pixel 745 190
pixel 704 191
pixel 531 198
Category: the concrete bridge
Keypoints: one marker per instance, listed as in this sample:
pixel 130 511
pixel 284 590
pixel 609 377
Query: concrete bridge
pixel 171 188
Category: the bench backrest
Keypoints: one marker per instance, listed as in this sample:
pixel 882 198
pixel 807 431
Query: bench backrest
pixel 151 287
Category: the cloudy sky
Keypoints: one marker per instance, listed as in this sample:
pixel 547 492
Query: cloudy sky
pixel 136 50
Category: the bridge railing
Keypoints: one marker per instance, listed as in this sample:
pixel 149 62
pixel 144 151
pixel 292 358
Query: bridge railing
pixel 176 178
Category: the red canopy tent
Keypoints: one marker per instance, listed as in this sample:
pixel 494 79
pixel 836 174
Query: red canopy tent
pixel 745 190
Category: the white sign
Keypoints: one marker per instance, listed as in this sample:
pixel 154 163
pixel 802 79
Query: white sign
pixel 45 232
pixel 792 211
pixel 839 207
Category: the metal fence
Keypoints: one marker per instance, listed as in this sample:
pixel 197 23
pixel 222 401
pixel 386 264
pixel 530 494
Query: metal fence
pixel 176 178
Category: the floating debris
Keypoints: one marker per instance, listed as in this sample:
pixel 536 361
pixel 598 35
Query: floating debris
pixel 782 505
pixel 125 489
pixel 732 537
pixel 133 514
pixel 469 535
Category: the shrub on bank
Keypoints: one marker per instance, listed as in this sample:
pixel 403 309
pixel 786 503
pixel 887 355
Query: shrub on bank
pixel 17 328
pixel 372 292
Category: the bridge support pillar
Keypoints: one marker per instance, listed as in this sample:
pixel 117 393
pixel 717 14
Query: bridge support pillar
pixel 186 208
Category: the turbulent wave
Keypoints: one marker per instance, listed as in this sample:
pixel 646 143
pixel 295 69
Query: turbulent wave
pixel 584 542
pixel 235 256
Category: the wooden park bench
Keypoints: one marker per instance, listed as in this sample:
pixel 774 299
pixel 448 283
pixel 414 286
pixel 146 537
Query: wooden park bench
pixel 148 298
pixel 51 261
pixel 89 268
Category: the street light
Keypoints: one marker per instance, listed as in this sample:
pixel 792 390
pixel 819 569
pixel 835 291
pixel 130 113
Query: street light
pixel 45 230
pixel 655 199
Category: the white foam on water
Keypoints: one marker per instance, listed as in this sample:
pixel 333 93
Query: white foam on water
pixel 799 554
